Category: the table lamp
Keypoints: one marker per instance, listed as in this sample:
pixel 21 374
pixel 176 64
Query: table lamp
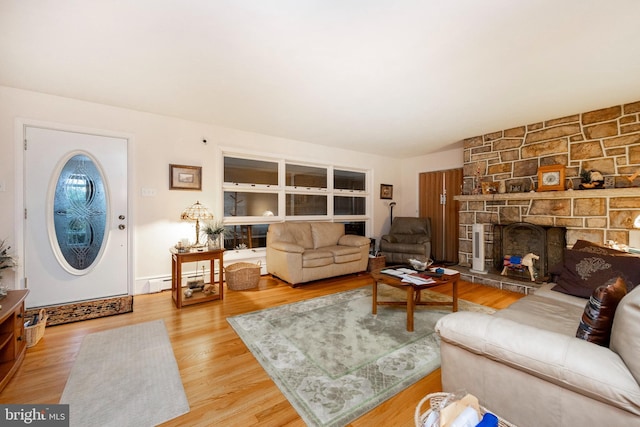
pixel 196 212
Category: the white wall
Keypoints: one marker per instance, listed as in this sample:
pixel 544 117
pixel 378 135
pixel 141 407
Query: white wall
pixel 158 141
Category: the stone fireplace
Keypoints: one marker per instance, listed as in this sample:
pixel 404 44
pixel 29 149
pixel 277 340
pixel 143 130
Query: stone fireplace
pixel 521 238
pixel 606 140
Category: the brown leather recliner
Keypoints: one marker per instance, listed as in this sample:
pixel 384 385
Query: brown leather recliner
pixel 408 238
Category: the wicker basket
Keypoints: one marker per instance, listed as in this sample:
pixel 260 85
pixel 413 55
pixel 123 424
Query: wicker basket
pixel 376 263
pixel 242 275
pixel 434 400
pixel 35 332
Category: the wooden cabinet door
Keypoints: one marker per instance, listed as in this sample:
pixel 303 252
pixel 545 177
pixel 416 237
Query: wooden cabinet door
pixel 436 202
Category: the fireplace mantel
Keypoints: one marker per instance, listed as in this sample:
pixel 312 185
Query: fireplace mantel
pixel 570 194
pixel 595 215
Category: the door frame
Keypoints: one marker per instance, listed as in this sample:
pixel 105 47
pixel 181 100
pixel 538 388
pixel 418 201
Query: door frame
pixel 19 135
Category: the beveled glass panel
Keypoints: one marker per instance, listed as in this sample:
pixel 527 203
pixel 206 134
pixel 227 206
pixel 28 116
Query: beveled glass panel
pixel 80 212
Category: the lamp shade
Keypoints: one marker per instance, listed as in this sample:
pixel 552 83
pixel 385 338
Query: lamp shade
pixel 196 212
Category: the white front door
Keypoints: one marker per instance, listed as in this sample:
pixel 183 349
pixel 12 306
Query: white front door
pixel 76 217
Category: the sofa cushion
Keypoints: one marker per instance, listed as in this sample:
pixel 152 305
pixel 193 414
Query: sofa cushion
pixel 326 233
pixel 599 312
pixel 546 291
pixel 566 361
pixel 624 333
pixel 292 232
pixel 354 240
pixel 582 272
pixel 545 313
pixel 344 253
pixel 316 258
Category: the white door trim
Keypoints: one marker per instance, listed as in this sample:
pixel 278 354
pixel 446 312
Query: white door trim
pixel 19 135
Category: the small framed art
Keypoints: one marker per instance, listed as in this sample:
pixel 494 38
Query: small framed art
pixel 386 191
pixel 551 178
pixel 183 177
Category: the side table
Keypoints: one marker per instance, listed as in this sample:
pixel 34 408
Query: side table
pixel 178 258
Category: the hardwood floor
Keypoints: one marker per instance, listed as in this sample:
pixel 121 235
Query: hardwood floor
pixel 224 383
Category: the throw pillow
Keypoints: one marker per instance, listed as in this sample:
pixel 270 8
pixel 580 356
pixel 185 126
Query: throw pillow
pixel 597 318
pixel 582 272
pixel 586 246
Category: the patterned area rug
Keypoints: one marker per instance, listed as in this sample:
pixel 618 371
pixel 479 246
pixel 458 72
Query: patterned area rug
pixel 126 376
pixel 335 361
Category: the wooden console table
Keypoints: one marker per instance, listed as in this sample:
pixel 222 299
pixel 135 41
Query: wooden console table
pixel 178 258
pixel 13 344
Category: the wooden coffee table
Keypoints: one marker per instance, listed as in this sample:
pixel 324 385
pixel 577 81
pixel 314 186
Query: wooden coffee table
pixel 413 292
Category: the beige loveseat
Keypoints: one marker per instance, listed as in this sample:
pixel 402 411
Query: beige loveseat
pixel 299 252
pixel 526 364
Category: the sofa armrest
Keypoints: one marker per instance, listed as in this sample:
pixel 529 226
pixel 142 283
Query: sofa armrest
pixel 354 240
pixel 388 238
pixel 566 361
pixel 287 247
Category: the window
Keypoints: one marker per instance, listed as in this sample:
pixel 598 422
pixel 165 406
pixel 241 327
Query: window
pixel 306 204
pixel 349 180
pixel 260 191
pixel 250 203
pixel 349 205
pixel 305 176
pixel 248 171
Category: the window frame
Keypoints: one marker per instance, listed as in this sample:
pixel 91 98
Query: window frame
pixel 283 190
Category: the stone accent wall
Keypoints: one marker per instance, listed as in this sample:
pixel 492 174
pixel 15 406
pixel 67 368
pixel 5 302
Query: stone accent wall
pixel 606 140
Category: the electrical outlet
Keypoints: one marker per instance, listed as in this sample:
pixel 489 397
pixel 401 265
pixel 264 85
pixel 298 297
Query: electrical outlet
pixel 149 192
pixel 3 186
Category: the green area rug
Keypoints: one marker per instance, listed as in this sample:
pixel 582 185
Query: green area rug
pixel 125 377
pixel 334 360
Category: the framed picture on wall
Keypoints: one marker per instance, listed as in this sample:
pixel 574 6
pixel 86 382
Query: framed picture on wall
pixel 386 191
pixel 183 177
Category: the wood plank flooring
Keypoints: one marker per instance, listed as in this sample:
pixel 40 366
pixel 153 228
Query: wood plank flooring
pixel 224 383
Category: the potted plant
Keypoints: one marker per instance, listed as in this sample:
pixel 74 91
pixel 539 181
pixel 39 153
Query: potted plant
pixel 6 261
pixel 213 231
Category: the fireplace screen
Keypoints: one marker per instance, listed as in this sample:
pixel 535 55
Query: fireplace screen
pixel 520 239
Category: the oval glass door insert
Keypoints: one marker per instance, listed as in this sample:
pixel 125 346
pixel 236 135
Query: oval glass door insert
pixel 79 214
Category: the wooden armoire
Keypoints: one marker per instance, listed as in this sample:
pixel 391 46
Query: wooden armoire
pixel 436 191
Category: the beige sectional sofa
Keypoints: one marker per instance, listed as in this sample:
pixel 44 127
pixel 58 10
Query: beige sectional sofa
pixel 526 364
pixel 299 252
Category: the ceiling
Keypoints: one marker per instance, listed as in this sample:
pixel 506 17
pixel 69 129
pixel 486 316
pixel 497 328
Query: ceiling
pixel 392 77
